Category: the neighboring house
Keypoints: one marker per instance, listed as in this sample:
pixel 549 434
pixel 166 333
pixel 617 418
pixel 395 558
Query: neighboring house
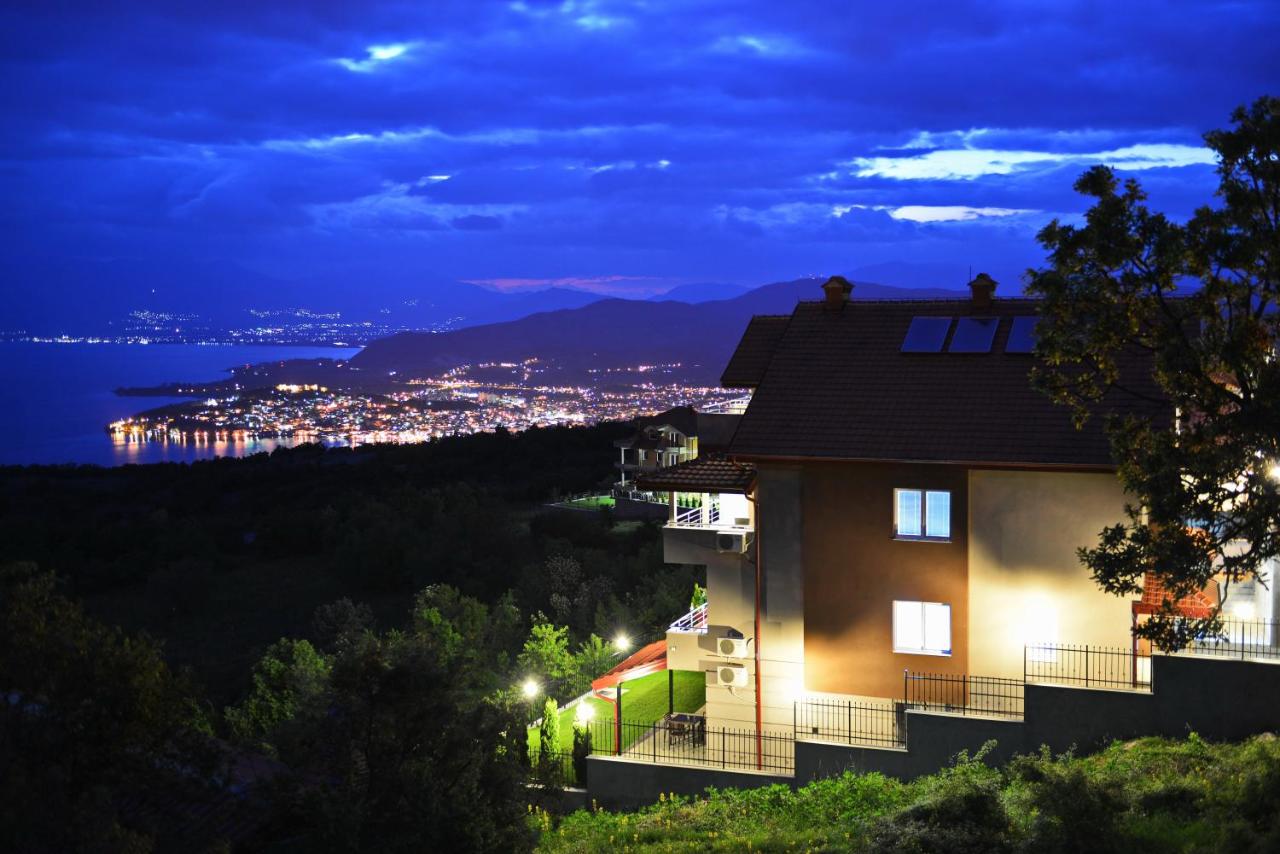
pixel 670 438
pixel 896 497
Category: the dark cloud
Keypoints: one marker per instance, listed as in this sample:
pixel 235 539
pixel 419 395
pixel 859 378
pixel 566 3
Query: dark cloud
pixel 690 139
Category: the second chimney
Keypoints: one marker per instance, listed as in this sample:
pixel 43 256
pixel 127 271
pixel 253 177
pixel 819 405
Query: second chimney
pixel 982 288
pixel 836 290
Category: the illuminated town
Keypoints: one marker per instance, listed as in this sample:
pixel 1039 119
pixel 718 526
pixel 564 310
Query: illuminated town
pixel 468 399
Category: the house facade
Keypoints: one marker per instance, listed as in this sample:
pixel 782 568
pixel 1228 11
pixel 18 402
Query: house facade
pixel 670 438
pixel 901 499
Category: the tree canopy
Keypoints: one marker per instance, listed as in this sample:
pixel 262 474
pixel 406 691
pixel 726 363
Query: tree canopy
pixel 1198 300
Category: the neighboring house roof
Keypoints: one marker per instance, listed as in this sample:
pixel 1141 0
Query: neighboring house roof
pixel 747 364
pixel 837 385
pixel 713 430
pixel 704 474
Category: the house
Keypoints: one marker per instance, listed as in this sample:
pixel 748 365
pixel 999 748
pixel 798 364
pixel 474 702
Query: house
pixel 896 498
pixel 670 438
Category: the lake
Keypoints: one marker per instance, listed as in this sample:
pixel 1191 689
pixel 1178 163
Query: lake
pixel 57 398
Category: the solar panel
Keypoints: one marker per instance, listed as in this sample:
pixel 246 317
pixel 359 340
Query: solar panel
pixel 974 335
pixel 1022 337
pixel 926 334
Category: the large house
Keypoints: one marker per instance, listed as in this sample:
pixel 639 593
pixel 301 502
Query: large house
pixel 896 497
pixel 670 438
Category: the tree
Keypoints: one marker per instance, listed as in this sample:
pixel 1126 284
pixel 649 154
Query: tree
pixel 546 654
pixel 90 718
pixel 593 658
pixel 1199 301
pixel 549 732
pixel 288 680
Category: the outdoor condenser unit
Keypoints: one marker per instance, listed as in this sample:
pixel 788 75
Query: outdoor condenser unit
pixel 731 542
pixel 732 647
pixel 731 675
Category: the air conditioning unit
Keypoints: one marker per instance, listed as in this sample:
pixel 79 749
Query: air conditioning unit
pixel 732 647
pixel 731 676
pixel 731 542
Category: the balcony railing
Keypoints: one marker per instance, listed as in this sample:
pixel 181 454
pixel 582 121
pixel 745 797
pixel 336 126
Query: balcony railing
pixel 874 723
pixel 694 621
pixel 1240 639
pixel 705 516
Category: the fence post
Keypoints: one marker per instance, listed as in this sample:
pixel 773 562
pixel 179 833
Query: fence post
pixel 905 701
pixel 1086 665
pixel 849 703
pixel 724 751
pixel 1024 664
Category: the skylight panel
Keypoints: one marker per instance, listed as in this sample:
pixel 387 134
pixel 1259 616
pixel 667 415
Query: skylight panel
pixel 974 335
pixel 1022 337
pixel 926 334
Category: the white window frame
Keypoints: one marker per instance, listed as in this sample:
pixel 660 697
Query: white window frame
pixel 925 536
pixel 920 650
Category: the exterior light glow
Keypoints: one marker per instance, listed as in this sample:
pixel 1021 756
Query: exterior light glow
pixel 584 713
pixel 622 643
pixel 530 688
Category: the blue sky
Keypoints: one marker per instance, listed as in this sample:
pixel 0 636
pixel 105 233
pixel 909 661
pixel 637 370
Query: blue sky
pixel 621 146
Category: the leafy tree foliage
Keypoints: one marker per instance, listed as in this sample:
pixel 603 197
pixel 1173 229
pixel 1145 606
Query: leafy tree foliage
pixel 287 680
pixel 1200 300
pixel 90 718
pixel 546 656
pixel 549 731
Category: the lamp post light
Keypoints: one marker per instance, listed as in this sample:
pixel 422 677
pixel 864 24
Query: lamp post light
pixel 621 642
pixel 531 689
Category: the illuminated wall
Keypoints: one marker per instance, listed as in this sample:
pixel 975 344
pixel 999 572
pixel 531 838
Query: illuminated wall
pixel 1026 584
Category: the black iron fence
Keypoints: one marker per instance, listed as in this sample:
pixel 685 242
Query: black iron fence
pixel 873 723
pixel 555 768
pixel 1240 639
pixel 1089 666
pixel 687 740
pixel 962 694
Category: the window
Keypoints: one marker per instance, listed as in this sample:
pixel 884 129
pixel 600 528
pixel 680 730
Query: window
pixel 922 628
pixel 920 514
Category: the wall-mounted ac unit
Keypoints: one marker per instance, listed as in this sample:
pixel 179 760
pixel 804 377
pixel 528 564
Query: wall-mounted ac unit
pixel 732 647
pixel 731 542
pixel 731 676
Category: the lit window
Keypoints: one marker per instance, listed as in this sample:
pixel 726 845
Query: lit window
pixel 923 628
pixel 921 514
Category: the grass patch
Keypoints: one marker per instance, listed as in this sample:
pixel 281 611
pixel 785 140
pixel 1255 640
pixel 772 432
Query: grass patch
pixel 644 701
pixel 1146 795
pixel 592 502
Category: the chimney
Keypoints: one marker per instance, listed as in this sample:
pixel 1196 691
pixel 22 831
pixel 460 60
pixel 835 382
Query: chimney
pixel 836 290
pixel 982 288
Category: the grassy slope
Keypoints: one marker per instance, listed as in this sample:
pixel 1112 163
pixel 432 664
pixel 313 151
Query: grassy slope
pixel 643 701
pixel 1148 795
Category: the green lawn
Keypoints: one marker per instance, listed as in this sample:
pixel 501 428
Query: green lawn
pixel 593 502
pixel 644 701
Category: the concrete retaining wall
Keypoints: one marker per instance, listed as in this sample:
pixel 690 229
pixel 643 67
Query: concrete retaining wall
pixel 1221 699
pixel 614 783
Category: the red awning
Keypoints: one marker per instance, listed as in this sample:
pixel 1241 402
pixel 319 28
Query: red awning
pixel 642 662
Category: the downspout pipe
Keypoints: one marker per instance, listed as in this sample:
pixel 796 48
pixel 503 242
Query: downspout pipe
pixel 756 645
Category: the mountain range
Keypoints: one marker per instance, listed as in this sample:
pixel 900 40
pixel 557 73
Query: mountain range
pixel 611 333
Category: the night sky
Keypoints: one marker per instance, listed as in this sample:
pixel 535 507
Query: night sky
pixel 626 147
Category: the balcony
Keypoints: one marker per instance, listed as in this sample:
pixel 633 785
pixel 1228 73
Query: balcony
pixel 694 622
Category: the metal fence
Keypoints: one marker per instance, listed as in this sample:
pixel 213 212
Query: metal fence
pixel 1090 666
pixel 554 768
pixel 687 740
pixel 963 694
pixel 1240 639
pixel 876 724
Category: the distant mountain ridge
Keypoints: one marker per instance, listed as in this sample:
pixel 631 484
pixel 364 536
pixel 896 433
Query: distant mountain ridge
pixel 612 333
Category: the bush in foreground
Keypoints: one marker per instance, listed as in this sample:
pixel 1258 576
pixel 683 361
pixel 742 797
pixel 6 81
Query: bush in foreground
pixel 1146 795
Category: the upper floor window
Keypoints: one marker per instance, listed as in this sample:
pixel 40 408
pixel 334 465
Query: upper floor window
pixel 921 514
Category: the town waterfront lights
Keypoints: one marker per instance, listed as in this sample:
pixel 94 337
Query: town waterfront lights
pixel 530 689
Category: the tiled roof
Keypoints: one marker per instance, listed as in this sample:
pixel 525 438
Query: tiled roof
pixel 838 386
pixel 704 474
pixel 748 362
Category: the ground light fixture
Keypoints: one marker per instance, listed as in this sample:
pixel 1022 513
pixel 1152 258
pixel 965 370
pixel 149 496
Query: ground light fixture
pixel 530 688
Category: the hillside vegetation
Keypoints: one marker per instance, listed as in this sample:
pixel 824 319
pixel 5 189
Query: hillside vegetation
pixel 1146 795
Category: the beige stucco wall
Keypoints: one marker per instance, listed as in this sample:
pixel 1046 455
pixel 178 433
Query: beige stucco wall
pixel 1025 582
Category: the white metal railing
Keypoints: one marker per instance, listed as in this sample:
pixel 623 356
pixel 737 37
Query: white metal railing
pixel 706 516
pixel 694 621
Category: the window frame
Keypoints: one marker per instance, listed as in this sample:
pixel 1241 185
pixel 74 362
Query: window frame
pixel 924 537
pixel 893 629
